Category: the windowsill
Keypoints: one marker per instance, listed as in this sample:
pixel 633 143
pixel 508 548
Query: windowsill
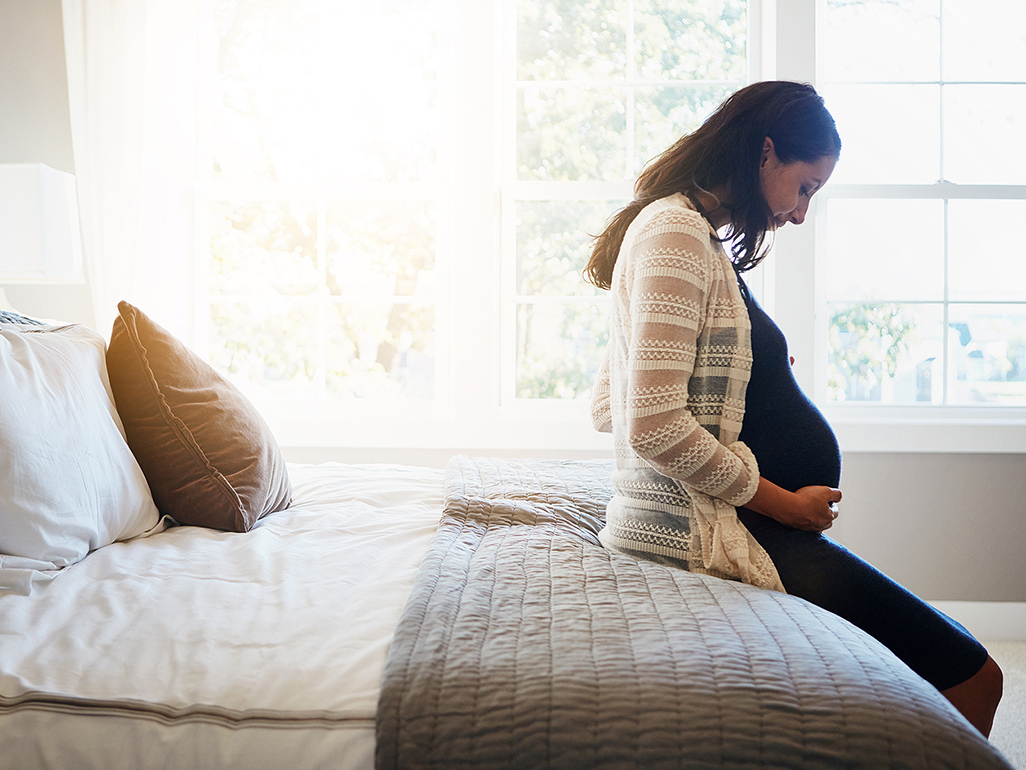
pixel 565 428
pixel 555 428
pixel 869 428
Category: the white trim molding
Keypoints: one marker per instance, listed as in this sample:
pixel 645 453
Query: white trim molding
pixel 989 621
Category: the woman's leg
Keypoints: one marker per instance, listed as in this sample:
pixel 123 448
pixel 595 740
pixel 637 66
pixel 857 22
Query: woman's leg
pixel 933 645
pixel 977 697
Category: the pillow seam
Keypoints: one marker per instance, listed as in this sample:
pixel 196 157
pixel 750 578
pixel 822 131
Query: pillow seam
pixel 179 427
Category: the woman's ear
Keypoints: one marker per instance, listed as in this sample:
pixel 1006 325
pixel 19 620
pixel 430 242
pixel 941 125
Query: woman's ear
pixel 767 152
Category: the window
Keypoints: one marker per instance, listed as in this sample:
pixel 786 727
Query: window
pixel 395 199
pixel 325 197
pixel 925 291
pixel 595 89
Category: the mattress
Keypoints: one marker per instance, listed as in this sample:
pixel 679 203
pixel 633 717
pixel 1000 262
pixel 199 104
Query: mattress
pixel 206 649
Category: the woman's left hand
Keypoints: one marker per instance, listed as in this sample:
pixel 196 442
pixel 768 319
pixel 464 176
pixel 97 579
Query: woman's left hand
pixel 816 509
pixel 812 508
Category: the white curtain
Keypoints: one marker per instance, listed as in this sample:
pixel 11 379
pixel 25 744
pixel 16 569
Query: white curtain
pixel 132 91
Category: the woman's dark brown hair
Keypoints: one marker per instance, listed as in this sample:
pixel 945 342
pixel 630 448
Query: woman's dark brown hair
pixel 726 150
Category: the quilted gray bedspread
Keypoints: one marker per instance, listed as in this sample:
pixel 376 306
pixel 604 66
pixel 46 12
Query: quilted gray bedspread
pixel 525 644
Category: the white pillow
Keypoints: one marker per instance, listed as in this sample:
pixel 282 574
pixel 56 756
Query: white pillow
pixel 69 482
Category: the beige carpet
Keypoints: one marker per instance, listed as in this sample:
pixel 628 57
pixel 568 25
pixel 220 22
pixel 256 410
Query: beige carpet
pixel 1009 733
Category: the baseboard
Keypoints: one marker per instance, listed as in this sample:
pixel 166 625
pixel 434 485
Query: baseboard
pixel 989 621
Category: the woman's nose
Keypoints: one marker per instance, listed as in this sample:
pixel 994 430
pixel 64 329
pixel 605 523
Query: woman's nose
pixel 798 215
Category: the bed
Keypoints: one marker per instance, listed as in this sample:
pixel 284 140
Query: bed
pixel 216 607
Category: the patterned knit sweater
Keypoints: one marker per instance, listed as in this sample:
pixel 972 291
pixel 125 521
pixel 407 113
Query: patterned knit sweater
pixel 672 391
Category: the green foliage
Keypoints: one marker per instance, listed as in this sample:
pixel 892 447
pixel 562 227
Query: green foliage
pixel 688 40
pixel 264 249
pixel 867 342
pixel 665 113
pixel 554 241
pixel 383 248
pixel 689 53
pixel 269 346
pixel 571 134
pixel 559 348
pixel 571 39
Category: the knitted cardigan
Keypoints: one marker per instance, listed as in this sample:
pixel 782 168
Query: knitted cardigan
pixel 671 389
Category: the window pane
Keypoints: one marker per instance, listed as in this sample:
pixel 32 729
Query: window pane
pixel 381 350
pixel 293 40
pixel 363 137
pixel 663 114
pixel 310 299
pixel 882 40
pixel 571 39
pixel 296 135
pixel 290 108
pixel 390 40
pixel 554 241
pixel 688 40
pixel 886 353
pixel 984 127
pixel 984 40
pixel 989 345
pixel 571 134
pixel 266 134
pixel 258 39
pixel 263 249
pixel 890 134
pixel 367 350
pixel 984 263
pixel 267 348
pixel 891 250
pixel 559 348
pixel 381 249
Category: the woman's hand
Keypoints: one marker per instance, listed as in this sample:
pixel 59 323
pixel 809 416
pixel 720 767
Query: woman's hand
pixel 812 509
pixel 815 509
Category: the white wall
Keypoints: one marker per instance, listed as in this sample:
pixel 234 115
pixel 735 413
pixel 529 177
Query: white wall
pixel 947 526
pixel 35 126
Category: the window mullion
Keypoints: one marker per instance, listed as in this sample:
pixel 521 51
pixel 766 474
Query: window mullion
pixel 948 367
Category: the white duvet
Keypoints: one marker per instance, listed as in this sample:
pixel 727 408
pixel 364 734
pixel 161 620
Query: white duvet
pixel 293 618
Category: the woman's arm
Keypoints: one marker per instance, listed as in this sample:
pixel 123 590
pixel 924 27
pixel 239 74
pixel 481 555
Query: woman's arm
pixel 674 286
pixel 810 508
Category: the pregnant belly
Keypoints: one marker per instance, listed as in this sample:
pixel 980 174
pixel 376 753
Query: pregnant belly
pixel 793 443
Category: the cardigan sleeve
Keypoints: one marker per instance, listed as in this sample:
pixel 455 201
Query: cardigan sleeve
pixel 674 277
pixel 601 410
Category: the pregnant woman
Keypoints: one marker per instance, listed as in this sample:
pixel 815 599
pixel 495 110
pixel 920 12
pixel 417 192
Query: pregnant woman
pixel 723 466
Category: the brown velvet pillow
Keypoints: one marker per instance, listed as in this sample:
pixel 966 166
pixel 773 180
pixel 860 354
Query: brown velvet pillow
pixel 209 457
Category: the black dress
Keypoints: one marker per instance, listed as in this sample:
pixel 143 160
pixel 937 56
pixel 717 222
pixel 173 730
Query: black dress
pixel 795 447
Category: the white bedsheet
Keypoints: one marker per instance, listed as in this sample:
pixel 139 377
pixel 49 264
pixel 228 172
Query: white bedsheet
pixel 292 619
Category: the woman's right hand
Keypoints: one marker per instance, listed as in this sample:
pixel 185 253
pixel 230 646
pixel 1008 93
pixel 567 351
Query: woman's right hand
pixel 812 509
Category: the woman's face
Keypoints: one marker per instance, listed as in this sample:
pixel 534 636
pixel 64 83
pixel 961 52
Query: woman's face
pixel 787 187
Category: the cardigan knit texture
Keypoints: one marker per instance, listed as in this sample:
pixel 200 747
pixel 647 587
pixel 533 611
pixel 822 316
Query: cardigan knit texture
pixel 671 389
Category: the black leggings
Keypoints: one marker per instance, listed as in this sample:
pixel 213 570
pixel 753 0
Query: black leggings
pixel 830 576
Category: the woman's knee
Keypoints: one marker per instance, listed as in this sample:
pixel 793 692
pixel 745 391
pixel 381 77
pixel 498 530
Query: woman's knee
pixel 992 681
pixel 978 697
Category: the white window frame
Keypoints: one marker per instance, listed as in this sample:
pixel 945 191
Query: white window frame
pixel 793 29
